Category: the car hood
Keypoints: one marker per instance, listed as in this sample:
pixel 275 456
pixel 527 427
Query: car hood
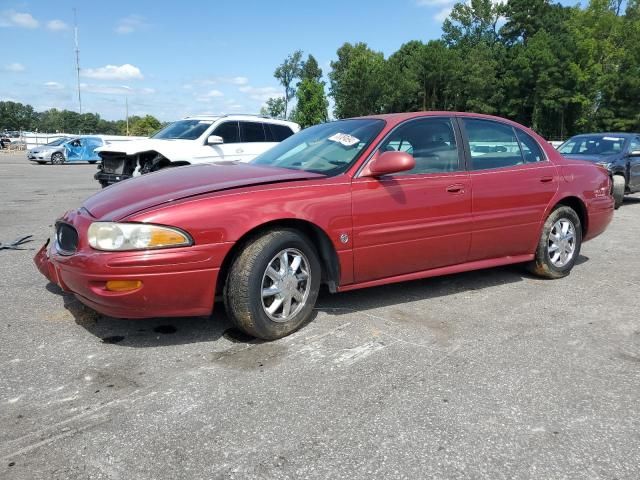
pixel 171 149
pixel 140 193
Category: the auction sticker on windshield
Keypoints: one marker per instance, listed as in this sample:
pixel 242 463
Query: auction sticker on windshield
pixel 345 139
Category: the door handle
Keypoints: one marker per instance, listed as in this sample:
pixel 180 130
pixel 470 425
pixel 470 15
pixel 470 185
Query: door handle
pixel 239 150
pixel 455 188
pixel 546 179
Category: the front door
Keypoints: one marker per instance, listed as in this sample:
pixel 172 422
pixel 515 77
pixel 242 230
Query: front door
pixel 416 220
pixel 512 183
pixel 228 151
pixel 634 165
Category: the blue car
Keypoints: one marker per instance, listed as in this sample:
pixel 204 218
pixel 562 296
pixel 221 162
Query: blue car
pixel 617 152
pixel 66 149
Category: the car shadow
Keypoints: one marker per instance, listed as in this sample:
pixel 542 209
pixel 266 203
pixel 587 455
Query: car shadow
pixel 156 332
pixel 152 332
pixel 629 200
pixel 426 289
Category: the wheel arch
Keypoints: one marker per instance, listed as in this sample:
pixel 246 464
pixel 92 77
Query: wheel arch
pixel 318 237
pixel 579 207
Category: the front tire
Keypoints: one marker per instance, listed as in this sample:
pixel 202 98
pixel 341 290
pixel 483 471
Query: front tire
pixel 57 159
pixel 619 184
pixel 273 284
pixel 559 245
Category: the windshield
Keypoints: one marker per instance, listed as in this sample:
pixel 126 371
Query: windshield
pixel 328 149
pixel 593 145
pixel 57 142
pixel 184 130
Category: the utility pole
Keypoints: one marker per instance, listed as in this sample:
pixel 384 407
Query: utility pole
pixel 126 106
pixel 75 23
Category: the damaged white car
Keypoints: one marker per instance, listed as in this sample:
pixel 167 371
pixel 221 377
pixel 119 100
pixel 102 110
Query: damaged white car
pixel 198 139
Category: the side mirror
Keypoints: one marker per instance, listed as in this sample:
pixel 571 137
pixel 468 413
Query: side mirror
pixel 387 163
pixel 635 153
pixel 214 140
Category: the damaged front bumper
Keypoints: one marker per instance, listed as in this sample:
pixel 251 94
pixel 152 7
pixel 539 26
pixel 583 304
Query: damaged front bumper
pixel 173 282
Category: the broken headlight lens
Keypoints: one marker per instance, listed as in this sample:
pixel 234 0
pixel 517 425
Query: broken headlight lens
pixel 111 236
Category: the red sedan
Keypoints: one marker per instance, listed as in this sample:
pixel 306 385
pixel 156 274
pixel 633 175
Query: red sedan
pixel 350 204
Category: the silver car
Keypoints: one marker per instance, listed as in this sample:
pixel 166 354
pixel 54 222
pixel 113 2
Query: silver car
pixel 67 149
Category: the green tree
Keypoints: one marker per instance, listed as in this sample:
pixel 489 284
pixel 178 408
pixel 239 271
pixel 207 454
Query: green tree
pixel 286 73
pixel 143 126
pixel 16 116
pixel 312 105
pixel 357 81
pixel 274 108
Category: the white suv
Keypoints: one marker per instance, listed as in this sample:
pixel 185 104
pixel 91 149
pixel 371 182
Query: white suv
pixel 198 139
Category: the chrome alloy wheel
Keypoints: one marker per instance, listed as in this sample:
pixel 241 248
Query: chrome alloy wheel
pixel 285 285
pixel 561 244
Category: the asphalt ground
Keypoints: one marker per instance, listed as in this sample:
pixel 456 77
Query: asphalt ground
pixel 492 374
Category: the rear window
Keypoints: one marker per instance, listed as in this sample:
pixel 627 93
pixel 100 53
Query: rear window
pixel 279 132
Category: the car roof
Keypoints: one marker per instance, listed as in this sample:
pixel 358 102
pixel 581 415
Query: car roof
pixel 607 134
pixel 242 116
pixel 393 119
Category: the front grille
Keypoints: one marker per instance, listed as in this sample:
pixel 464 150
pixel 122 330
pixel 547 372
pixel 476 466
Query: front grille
pixel 113 162
pixel 66 238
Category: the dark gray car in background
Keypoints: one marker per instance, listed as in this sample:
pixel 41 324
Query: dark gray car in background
pixel 618 152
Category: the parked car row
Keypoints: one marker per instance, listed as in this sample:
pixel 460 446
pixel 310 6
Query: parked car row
pixel 67 149
pixel 193 140
pixel 349 204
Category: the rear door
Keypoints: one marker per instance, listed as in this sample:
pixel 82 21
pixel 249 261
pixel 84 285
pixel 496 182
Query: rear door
pixel 416 220
pixel 512 183
pixel 254 139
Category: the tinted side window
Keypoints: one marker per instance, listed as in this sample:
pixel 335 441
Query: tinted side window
pixel 531 151
pixel 492 144
pixel 228 131
pixel 279 132
pixel 431 141
pixel 635 144
pixel 252 132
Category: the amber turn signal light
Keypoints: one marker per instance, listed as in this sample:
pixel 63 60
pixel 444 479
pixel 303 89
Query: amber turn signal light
pixel 123 285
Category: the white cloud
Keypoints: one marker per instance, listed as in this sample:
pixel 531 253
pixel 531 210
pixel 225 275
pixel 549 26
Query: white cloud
pixel 240 80
pixel 130 24
pixel 113 72
pixel 115 89
pixel 54 85
pixel 14 68
pixel 56 25
pixel 209 96
pixel 261 93
pixel 443 14
pixel 11 18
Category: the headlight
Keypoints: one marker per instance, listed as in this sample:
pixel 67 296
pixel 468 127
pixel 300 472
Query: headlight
pixel 112 236
pixel 606 165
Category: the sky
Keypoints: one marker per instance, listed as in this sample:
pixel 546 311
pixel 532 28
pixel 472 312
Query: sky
pixel 194 57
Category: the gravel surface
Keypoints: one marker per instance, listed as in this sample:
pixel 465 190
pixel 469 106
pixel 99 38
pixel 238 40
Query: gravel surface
pixel 491 374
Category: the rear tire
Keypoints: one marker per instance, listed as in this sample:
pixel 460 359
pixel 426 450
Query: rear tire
pixel 559 245
pixel 619 184
pixel 273 284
